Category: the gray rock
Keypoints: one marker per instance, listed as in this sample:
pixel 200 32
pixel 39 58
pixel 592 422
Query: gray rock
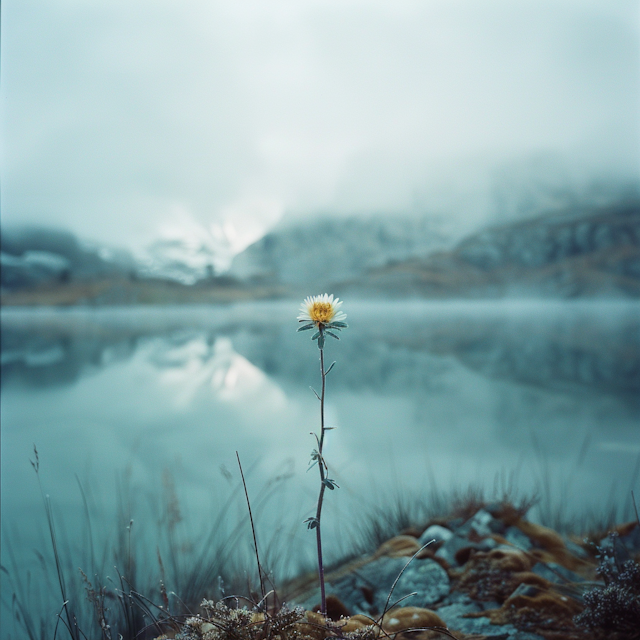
pixel 453 616
pixel 518 539
pixel 358 589
pixel 435 532
pixel 484 524
pixel 367 589
pixel 456 597
pixel 488 544
pixel 449 549
pixel 427 578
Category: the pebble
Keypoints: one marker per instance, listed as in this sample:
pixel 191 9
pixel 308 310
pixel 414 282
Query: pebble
pixel 454 544
pixel 484 524
pixel 514 536
pixel 435 532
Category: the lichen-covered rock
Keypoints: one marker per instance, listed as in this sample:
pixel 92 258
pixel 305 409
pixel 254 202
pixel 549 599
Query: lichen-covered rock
pixel 366 590
pixel 425 577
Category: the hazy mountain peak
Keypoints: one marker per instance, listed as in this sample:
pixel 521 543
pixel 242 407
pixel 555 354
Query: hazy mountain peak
pixel 328 249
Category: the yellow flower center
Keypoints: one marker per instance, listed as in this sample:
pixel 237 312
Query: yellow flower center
pixel 321 312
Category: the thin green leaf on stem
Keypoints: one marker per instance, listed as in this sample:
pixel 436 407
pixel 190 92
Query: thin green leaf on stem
pixel 333 364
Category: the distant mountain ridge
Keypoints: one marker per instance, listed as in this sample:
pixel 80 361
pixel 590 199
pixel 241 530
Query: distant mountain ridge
pixel 570 254
pixel 51 267
pixel 327 250
pixel 32 256
pixel 579 252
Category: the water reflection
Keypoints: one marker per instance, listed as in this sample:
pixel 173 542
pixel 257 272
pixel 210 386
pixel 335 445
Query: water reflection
pixel 584 348
pixel 192 362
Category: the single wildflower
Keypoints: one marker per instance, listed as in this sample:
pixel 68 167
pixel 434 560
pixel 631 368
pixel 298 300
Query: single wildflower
pixel 322 313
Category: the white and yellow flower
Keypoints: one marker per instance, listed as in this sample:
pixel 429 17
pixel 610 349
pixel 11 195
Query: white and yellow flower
pixel 321 310
pixel 323 313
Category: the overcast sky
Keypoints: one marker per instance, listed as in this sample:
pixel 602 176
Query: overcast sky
pixel 122 119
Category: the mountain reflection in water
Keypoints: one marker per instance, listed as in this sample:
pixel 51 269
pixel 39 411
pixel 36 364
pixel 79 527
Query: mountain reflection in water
pixel 584 347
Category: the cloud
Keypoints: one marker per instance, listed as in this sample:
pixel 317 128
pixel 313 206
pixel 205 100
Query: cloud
pixel 114 111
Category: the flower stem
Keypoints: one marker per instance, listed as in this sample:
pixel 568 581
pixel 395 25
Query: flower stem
pixel 323 605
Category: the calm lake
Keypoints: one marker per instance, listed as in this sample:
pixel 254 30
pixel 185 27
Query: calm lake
pixel 152 402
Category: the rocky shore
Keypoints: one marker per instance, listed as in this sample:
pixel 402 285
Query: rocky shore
pixel 492 574
pixel 484 573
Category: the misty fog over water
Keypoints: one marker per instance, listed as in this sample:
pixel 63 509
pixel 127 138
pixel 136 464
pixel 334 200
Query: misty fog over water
pixel 422 393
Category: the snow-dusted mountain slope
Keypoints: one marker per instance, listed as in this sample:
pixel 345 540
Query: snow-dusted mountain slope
pixel 325 250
